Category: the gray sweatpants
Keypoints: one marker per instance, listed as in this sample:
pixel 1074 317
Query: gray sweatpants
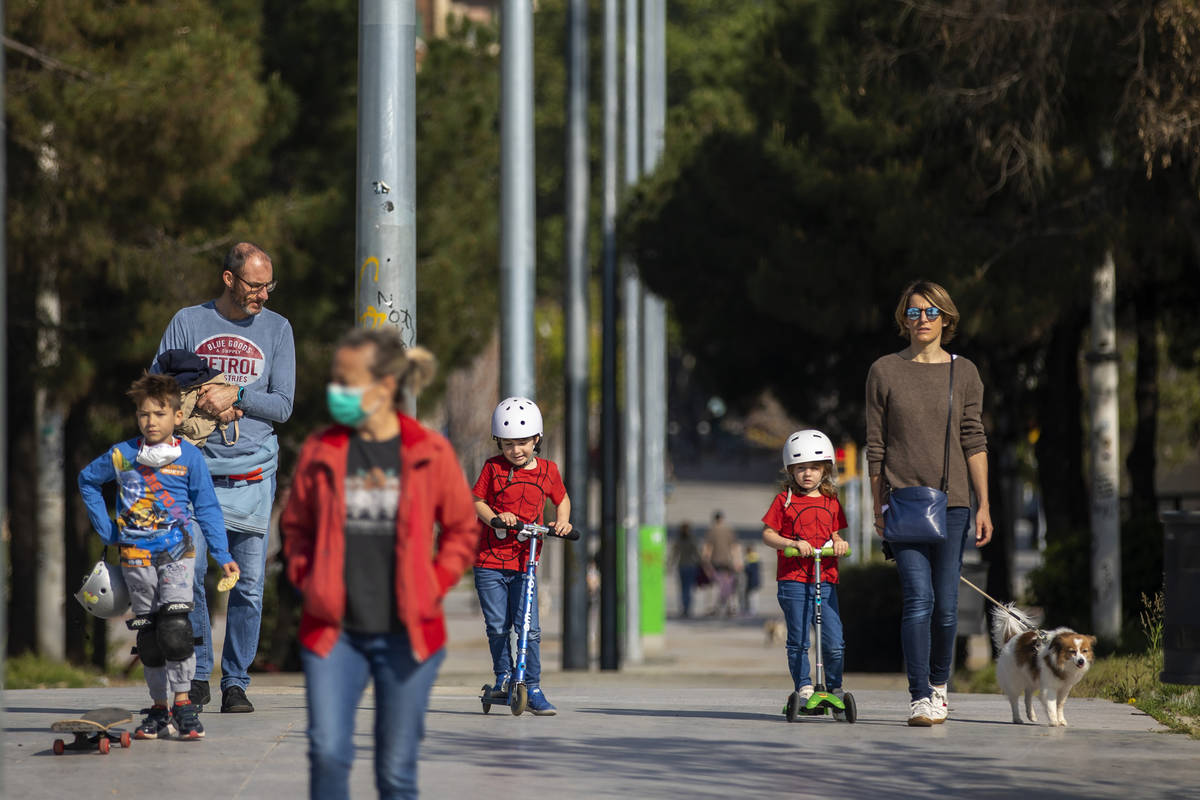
pixel 151 587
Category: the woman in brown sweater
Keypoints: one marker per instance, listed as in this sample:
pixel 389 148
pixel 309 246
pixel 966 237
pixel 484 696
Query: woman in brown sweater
pixel 907 395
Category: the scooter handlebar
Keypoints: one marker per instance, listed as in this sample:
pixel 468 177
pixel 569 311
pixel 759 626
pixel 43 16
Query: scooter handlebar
pixel 826 552
pixel 535 529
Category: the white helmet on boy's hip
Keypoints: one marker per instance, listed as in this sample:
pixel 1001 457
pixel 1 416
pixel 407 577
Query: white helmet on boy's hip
pixel 803 446
pixel 103 592
pixel 516 418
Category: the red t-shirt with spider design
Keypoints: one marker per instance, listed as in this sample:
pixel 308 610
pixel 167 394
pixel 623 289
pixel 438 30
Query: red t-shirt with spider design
pixel 504 487
pixel 813 519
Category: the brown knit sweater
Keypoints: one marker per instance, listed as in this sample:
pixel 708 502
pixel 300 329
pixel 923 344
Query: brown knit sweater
pixel 906 423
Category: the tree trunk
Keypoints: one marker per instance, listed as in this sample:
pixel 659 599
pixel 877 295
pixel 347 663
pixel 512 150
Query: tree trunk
pixel 1060 446
pixel 1141 459
pixel 78 556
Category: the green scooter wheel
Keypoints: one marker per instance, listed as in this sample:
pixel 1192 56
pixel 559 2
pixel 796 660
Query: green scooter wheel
pixel 851 708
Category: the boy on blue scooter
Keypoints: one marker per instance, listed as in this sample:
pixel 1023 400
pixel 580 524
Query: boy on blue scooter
pixel 514 486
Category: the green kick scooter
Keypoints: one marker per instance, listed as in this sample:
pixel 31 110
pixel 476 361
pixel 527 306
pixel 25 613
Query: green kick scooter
pixel 821 701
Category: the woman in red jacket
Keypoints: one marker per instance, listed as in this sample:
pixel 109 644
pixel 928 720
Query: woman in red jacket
pixel 359 540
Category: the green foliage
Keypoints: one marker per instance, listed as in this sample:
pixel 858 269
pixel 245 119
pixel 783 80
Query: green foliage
pixel 29 671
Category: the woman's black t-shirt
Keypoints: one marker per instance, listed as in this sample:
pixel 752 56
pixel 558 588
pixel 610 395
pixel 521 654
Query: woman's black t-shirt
pixel 372 495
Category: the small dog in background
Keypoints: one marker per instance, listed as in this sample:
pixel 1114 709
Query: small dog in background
pixel 776 632
pixel 1027 663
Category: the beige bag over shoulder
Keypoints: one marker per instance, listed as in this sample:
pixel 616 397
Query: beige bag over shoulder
pixel 197 425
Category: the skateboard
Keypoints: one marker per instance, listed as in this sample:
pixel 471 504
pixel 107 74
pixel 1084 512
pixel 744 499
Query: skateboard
pixel 94 730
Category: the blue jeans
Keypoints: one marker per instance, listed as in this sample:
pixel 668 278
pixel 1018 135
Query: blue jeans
pixel 798 601
pixel 334 686
pixel 929 586
pixel 243 618
pixel 501 592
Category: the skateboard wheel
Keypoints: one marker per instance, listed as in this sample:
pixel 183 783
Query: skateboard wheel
pixel 103 744
pixel 59 747
pixel 125 740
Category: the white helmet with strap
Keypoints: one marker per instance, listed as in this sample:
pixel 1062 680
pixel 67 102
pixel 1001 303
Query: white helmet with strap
pixel 810 445
pixel 103 593
pixel 516 418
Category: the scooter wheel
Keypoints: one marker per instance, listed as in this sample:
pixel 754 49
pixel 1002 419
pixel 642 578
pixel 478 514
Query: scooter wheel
pixel 103 744
pixel 793 706
pixel 851 708
pixel 486 692
pixel 125 740
pixel 520 699
pixel 60 747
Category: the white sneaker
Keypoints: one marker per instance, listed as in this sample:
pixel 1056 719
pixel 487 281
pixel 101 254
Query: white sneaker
pixel 920 713
pixel 938 700
pixel 806 691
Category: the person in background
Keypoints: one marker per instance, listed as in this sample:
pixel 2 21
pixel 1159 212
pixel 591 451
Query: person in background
pixel 685 555
pixel 723 558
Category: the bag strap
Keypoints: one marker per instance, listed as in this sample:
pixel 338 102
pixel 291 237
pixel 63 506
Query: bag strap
pixel 949 418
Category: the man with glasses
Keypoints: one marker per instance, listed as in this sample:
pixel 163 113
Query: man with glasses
pixel 253 347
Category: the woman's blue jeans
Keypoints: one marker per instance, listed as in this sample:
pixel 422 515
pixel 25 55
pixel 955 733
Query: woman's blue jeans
pixel 929 576
pixel 798 601
pixel 334 686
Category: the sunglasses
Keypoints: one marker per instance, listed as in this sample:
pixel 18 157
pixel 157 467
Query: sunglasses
pixel 931 313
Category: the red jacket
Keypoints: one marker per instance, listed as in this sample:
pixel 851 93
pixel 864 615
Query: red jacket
pixel 432 490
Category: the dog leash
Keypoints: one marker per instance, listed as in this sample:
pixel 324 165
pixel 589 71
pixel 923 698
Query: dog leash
pixel 1041 634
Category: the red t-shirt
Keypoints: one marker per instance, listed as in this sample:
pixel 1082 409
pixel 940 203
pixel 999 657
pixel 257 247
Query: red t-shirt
pixel 813 519
pixel 521 491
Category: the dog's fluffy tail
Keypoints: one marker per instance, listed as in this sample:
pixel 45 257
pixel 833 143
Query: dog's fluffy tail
pixel 1007 622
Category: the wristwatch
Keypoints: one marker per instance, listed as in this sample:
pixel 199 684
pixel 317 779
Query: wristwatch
pixel 241 391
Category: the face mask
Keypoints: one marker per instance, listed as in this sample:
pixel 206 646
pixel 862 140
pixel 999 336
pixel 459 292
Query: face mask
pixel 158 455
pixel 345 403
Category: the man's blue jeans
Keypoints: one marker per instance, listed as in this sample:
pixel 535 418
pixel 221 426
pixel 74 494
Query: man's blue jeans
pixel 243 618
pixel 334 686
pixel 798 601
pixel 929 576
pixel 501 593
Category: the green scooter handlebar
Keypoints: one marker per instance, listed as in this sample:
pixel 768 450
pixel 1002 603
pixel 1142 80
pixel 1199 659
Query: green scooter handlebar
pixel 826 552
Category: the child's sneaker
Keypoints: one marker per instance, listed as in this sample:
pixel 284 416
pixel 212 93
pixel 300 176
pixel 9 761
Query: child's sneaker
pixel 920 713
pixel 500 690
pixel 806 691
pixel 539 705
pixel 156 725
pixel 939 701
pixel 187 720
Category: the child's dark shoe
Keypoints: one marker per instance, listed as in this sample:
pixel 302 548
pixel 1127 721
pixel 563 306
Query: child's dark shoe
pixel 187 720
pixel 539 705
pixel 156 725
pixel 500 690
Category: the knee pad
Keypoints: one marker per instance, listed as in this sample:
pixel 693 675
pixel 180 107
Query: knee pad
pixel 148 648
pixel 175 639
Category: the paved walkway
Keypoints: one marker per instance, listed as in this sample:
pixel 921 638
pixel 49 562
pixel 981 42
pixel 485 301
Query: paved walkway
pixel 702 719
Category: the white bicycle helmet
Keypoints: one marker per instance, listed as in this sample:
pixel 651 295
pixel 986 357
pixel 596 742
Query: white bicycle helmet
pixel 516 418
pixel 809 445
pixel 103 593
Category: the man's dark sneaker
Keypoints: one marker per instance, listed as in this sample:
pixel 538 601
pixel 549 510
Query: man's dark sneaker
pixel 156 725
pixel 233 701
pixel 199 694
pixel 187 721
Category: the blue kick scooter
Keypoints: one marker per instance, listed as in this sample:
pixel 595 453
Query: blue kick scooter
pixel 822 701
pixel 518 691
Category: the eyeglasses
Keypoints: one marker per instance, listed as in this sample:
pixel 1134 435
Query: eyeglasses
pixel 256 287
pixel 931 313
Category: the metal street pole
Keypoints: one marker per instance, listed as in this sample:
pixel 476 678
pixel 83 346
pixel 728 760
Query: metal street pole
pixel 518 255
pixel 385 195
pixel 1105 468
pixel 631 439
pixel 610 657
pixel 576 322
pixel 654 353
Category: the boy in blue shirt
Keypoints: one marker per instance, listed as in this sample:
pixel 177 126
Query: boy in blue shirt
pixel 164 487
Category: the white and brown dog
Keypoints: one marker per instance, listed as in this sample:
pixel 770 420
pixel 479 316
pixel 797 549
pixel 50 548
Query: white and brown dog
pixel 1049 663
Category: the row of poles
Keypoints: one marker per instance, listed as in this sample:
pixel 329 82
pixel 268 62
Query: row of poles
pixel 386 274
